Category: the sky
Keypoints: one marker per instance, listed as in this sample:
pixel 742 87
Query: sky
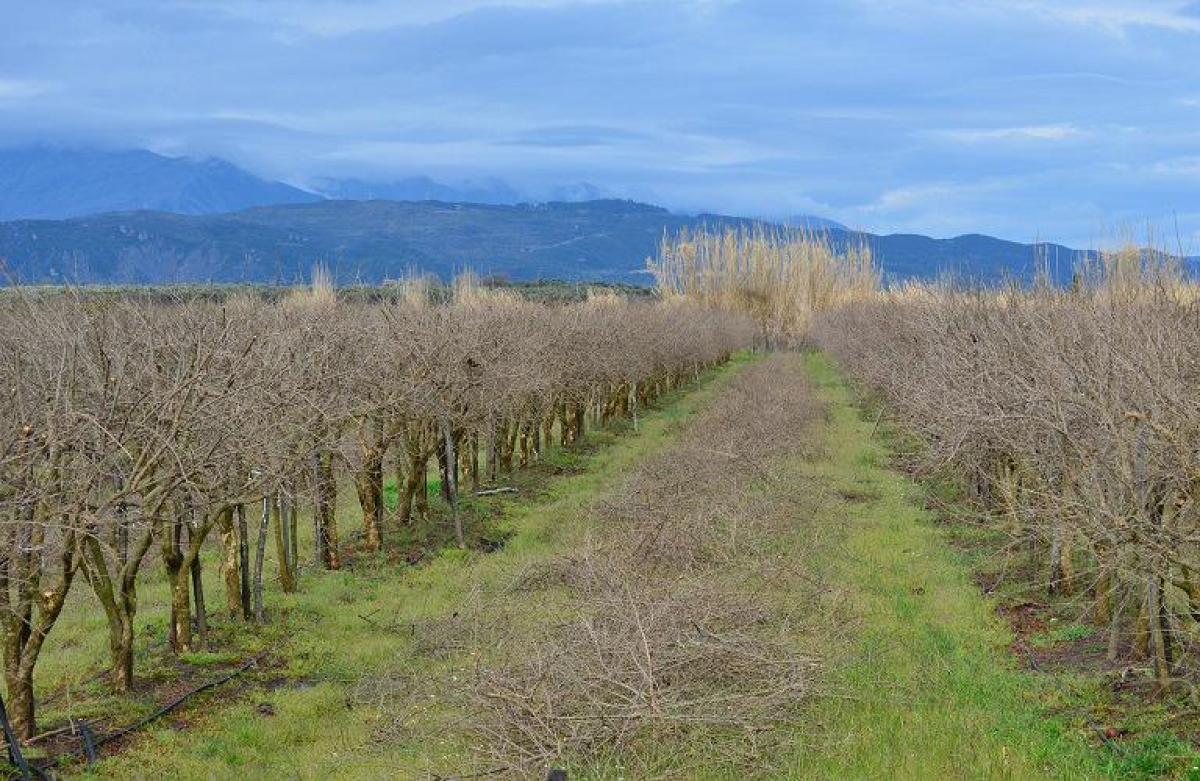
pixel 1075 121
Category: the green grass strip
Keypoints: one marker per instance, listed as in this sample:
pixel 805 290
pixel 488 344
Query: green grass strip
pixel 925 687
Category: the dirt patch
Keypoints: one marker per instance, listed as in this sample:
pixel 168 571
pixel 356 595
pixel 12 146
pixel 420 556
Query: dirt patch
pixel 1026 619
pixel 855 497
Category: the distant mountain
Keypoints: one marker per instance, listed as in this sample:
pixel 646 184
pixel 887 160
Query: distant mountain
pixel 488 190
pixel 491 191
pixel 580 191
pixel 812 223
pixel 372 241
pixel 45 182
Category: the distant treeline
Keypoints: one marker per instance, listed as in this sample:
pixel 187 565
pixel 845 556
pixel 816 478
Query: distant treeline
pixel 538 291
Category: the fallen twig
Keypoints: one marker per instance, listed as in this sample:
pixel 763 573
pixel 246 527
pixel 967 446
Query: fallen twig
pixel 496 491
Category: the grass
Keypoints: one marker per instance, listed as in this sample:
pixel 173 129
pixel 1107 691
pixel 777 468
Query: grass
pixel 1066 633
pixel 926 688
pixel 356 627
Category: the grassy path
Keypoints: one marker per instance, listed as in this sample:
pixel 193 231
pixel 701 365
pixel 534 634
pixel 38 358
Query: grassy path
pixel 927 687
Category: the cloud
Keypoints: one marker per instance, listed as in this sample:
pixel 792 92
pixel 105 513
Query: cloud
pixel 13 89
pixel 1118 18
pixel 574 136
pixel 324 18
pixel 1029 133
pixel 1010 117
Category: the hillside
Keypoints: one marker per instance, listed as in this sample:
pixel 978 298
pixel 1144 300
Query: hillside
pixel 422 188
pixel 372 241
pixel 44 182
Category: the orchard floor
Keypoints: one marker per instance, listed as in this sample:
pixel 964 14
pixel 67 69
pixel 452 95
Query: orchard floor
pixel 911 679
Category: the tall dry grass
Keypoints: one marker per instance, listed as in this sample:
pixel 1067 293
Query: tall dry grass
pixel 781 277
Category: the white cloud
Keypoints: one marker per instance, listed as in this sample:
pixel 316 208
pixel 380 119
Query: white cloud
pixel 1023 133
pixel 13 89
pixel 326 18
pixel 1188 167
pixel 1117 18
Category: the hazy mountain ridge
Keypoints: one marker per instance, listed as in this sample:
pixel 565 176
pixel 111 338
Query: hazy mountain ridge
pixel 45 182
pixel 49 183
pixel 490 191
pixel 138 217
pixel 373 241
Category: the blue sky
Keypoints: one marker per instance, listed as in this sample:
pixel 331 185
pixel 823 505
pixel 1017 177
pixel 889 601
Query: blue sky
pixel 1070 121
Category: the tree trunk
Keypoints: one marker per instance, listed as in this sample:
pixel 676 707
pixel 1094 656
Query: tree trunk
pixel 368 482
pixel 187 582
pixel 118 596
pixel 444 467
pixel 285 532
pixel 1104 595
pixel 1192 589
pixel 229 565
pixel 21 705
pixel 120 639
pixel 287 580
pixel 633 405
pixel 243 532
pixel 409 481
pixel 260 615
pixel 423 489
pixel 510 447
pixel 1061 574
pixel 548 429
pixel 1156 611
pixel 1114 623
pixel 326 516
pixel 201 610
pixel 523 438
pixel 181 611
pixel 448 441
pixel 293 522
pixel 23 648
pixel 564 429
pixel 173 562
pixel 474 461
pixel 492 454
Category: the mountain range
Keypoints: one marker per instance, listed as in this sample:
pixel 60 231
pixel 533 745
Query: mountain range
pixel 58 183
pixel 50 183
pixel 373 241
pixel 136 217
pixel 495 192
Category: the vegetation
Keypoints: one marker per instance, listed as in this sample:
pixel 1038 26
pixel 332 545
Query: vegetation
pixel 434 290
pixel 133 425
pixel 921 684
pixel 780 278
pixel 1068 415
pixel 745 589
pixel 510 663
pixel 1061 426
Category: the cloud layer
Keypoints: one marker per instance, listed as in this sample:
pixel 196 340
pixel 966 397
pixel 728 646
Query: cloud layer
pixel 1065 120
